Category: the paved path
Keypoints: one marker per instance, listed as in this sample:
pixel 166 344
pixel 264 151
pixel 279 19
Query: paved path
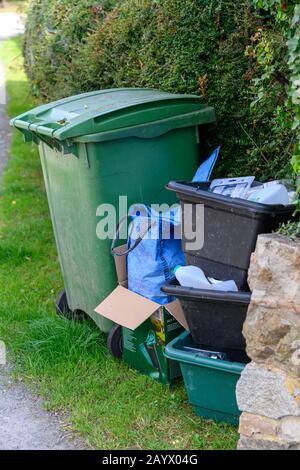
pixel 10 25
pixel 5 131
pixel 24 424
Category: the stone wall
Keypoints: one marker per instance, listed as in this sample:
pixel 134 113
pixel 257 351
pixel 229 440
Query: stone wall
pixel 268 391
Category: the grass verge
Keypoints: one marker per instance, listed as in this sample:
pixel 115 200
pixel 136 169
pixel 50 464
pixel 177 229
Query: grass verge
pixel 67 363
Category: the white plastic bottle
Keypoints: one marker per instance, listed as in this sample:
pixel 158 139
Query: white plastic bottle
pixel 192 276
pixel 226 286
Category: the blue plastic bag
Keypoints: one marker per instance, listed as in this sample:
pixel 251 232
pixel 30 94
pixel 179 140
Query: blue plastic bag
pixel 205 169
pixel 153 251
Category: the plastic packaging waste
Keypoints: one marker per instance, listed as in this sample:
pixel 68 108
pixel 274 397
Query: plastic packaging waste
pixel 233 187
pixel 293 197
pixel 272 192
pixel 192 276
pixel 269 193
pixel 206 353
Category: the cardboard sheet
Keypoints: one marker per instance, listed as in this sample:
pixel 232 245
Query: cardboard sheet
pixel 126 308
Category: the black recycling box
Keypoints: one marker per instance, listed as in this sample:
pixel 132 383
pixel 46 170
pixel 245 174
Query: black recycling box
pixel 231 227
pixel 215 318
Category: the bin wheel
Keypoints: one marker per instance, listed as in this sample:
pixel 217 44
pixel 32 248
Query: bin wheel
pixel 63 309
pixel 114 341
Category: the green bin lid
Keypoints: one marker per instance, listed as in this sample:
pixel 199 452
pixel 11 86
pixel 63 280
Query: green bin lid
pixel 111 110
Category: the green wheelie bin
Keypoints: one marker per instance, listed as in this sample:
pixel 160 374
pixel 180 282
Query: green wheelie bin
pixel 98 146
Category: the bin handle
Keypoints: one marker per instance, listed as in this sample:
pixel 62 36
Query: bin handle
pixel 137 241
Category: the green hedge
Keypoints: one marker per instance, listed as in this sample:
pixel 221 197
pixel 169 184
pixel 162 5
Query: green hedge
pixel 191 46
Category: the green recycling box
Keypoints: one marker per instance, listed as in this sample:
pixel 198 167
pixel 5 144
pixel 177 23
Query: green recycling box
pixel 210 383
pixel 96 147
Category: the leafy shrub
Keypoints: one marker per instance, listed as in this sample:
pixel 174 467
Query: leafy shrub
pixel 282 66
pixel 55 33
pixel 196 46
pixel 291 230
